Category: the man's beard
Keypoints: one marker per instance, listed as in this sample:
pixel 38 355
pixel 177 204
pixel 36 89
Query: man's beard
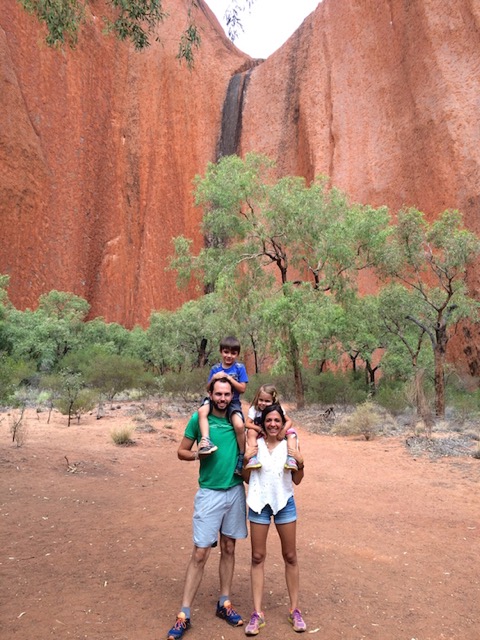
pixel 219 409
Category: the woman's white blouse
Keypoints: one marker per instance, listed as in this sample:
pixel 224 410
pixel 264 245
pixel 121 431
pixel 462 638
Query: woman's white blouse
pixel 271 484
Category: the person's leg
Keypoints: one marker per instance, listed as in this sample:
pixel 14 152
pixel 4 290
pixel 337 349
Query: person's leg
pixel 194 574
pixel 258 539
pixel 252 437
pixel 239 426
pixel 193 578
pixel 226 568
pixel 226 565
pixel 205 446
pixel 287 533
pixel 292 444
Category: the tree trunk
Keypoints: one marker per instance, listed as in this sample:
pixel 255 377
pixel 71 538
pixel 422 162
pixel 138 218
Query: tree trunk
pixel 297 371
pixel 202 353
pixel 371 371
pixel 439 351
pixel 439 357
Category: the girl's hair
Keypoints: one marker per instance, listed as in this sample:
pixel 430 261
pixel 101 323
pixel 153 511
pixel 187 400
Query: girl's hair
pixel 269 409
pixel 269 389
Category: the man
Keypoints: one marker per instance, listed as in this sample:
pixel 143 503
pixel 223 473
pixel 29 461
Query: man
pixel 219 507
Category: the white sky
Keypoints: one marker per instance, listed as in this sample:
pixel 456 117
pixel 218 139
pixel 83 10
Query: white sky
pixel 268 24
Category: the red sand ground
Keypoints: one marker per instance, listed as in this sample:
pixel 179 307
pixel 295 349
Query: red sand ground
pixel 388 544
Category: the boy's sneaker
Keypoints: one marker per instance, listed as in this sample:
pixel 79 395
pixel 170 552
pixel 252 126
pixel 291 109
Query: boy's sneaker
pixel 206 447
pixel 253 463
pixel 295 619
pixel 291 463
pixel 239 465
pixel 228 613
pixel 257 621
pixel 181 625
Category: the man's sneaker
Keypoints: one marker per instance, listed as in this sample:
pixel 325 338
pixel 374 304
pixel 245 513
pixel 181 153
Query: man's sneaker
pixel 239 465
pixel 253 463
pixel 181 625
pixel 206 447
pixel 295 619
pixel 291 463
pixel 257 621
pixel 228 613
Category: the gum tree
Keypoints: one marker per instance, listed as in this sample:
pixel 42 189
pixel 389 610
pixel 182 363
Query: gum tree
pixel 133 20
pixel 302 238
pixel 430 260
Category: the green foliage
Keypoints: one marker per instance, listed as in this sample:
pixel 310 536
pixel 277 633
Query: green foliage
pixel 189 40
pixel 285 246
pixel 12 374
pixel 189 385
pixel 110 374
pixel 282 382
pixel 188 337
pixel 335 388
pixel 135 20
pixel 132 20
pixel 62 19
pixel 66 386
pixel 392 396
pixel 430 260
pixel 49 333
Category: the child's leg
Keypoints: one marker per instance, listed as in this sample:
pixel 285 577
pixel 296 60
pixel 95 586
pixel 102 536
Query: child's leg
pixel 205 446
pixel 239 426
pixel 252 436
pixel 292 443
pixel 203 412
pixel 254 462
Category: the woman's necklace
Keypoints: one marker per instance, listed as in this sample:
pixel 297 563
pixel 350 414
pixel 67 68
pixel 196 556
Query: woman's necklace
pixel 271 444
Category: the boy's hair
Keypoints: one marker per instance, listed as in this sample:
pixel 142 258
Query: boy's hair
pixel 230 342
pixel 266 388
pixel 269 409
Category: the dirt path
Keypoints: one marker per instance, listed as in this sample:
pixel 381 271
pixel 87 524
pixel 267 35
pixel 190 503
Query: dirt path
pixel 388 544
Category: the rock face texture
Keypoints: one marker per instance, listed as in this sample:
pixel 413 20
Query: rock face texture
pixel 98 150
pixel 98 146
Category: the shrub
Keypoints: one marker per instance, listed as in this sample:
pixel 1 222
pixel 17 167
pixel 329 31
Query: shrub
pixel 283 383
pixel 365 421
pixel 465 405
pixel 331 388
pixel 123 435
pixel 392 397
pixel 189 385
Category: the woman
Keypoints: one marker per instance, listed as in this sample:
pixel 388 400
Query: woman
pixel 270 494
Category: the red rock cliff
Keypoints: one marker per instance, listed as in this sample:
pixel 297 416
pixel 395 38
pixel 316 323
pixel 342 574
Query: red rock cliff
pixel 98 146
pixel 98 149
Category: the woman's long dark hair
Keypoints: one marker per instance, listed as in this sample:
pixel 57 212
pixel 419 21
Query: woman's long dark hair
pixel 269 409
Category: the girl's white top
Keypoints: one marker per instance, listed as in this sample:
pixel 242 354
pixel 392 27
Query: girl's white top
pixel 271 484
pixel 254 413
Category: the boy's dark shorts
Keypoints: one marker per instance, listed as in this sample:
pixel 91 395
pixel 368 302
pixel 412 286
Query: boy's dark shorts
pixel 234 407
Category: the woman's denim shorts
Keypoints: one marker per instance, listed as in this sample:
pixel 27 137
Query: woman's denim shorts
pixel 284 516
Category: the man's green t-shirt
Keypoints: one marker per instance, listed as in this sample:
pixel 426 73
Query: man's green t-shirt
pixel 216 469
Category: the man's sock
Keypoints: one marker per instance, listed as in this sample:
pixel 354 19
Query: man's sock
pixel 186 611
pixel 223 599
